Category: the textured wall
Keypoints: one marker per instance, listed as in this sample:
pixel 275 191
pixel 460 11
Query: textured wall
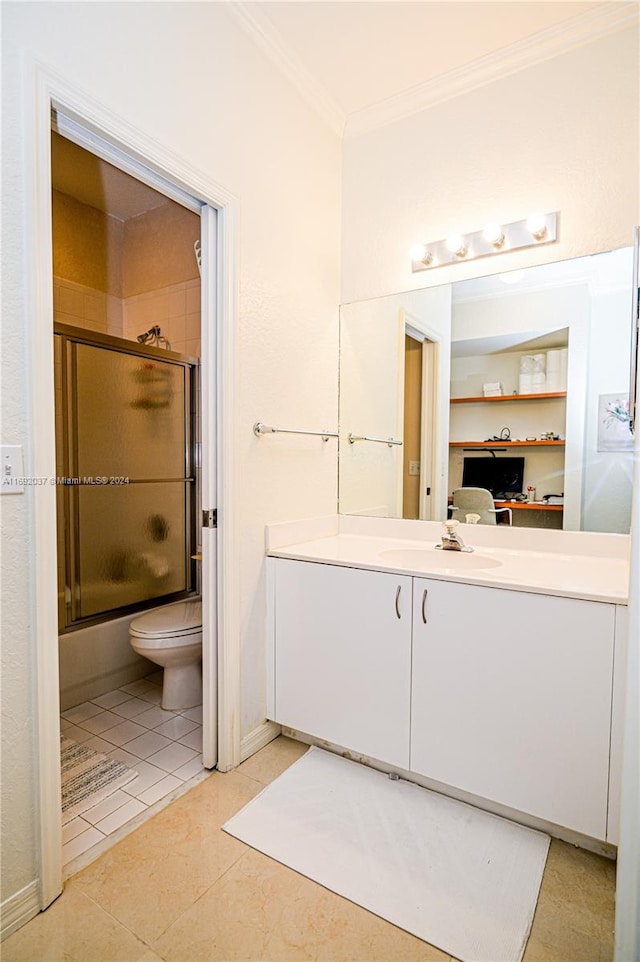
pixel 158 249
pixel 562 135
pixel 87 245
pixel 192 81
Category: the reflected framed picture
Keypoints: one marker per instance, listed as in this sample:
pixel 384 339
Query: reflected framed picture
pixel 613 423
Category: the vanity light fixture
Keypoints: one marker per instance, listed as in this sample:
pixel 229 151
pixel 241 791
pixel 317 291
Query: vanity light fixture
pixel 420 253
pixel 494 239
pixel 537 225
pixel 494 235
pixel 456 245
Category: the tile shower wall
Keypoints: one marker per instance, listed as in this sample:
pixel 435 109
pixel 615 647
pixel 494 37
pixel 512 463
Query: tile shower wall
pixel 176 309
pixel 85 307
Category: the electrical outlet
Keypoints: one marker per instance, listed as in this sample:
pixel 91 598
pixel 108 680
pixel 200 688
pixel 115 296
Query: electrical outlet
pixel 414 468
pixel 11 481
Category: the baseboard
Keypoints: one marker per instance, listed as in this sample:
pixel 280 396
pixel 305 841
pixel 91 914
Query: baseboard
pixel 19 909
pixel 257 739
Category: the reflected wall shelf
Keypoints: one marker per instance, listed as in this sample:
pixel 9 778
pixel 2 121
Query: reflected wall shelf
pixel 506 444
pixel 508 397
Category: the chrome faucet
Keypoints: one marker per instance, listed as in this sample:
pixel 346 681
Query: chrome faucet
pixel 451 540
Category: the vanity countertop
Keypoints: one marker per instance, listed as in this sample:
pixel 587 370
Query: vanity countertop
pixel 592 577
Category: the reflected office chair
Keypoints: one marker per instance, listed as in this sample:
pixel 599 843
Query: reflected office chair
pixel 476 501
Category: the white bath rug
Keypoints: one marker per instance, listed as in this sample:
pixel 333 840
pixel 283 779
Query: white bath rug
pixel 457 877
pixel 88 777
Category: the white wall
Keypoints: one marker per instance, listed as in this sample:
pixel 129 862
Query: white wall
pixel 562 135
pixel 187 77
pixel 372 404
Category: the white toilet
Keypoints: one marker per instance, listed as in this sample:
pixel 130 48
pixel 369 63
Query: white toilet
pixel 172 637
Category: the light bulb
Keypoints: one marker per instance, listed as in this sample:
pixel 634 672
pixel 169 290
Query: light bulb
pixel 493 234
pixel 456 245
pixel 419 253
pixel 537 225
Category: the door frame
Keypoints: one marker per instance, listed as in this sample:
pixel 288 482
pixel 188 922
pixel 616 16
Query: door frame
pixel 430 411
pixel 430 351
pixel 46 92
pixel 428 400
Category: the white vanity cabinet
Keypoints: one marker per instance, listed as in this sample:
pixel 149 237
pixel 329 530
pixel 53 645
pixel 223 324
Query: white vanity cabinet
pixel 342 646
pixel 511 699
pixel 502 694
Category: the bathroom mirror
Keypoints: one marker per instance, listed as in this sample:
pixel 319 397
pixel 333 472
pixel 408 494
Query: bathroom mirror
pixel 439 385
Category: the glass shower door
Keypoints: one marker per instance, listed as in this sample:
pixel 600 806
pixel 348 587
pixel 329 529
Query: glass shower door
pixel 129 486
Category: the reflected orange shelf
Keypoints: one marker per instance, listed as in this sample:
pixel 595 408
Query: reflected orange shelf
pixel 506 444
pixel 507 397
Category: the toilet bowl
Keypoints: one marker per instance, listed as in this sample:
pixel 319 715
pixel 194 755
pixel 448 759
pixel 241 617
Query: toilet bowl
pixel 172 637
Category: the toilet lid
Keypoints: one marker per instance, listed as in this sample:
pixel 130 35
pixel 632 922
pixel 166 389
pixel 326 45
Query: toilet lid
pixel 177 619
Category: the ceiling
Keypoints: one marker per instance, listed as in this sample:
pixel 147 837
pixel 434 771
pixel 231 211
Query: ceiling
pixel 366 63
pixel 352 57
pixel 80 174
pixel 362 53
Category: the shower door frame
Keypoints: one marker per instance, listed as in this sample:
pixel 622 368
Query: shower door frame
pixel 118 142
pixel 70 619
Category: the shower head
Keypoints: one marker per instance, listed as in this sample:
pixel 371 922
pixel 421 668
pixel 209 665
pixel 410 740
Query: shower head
pixel 154 338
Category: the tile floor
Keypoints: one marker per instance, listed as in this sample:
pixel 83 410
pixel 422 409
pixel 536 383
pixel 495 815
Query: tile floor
pixel 164 747
pixel 179 889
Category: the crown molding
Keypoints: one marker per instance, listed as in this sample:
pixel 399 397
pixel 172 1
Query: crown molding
pixel 265 35
pixel 606 19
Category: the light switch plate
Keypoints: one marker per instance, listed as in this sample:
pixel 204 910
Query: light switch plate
pixel 12 480
pixel 414 468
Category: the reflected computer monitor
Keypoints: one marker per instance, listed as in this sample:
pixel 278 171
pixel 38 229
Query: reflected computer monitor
pixel 500 475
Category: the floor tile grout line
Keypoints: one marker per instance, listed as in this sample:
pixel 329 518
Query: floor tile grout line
pixel 114 918
pixel 171 742
pixel 208 888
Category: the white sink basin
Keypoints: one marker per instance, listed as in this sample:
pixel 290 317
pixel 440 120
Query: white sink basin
pixel 428 559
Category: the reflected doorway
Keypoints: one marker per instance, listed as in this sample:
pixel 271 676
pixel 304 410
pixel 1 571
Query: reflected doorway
pixel 418 422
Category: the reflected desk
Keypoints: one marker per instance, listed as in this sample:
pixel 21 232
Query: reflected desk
pixel 527 514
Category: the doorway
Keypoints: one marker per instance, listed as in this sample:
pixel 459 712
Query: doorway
pixel 87 124
pixel 127 332
pixel 418 414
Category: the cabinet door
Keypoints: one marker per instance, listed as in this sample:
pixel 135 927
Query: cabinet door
pixel 343 656
pixel 511 699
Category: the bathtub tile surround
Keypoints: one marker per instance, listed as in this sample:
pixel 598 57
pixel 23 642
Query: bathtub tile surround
pixel 86 307
pixel 164 748
pixel 175 308
pixel 180 889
